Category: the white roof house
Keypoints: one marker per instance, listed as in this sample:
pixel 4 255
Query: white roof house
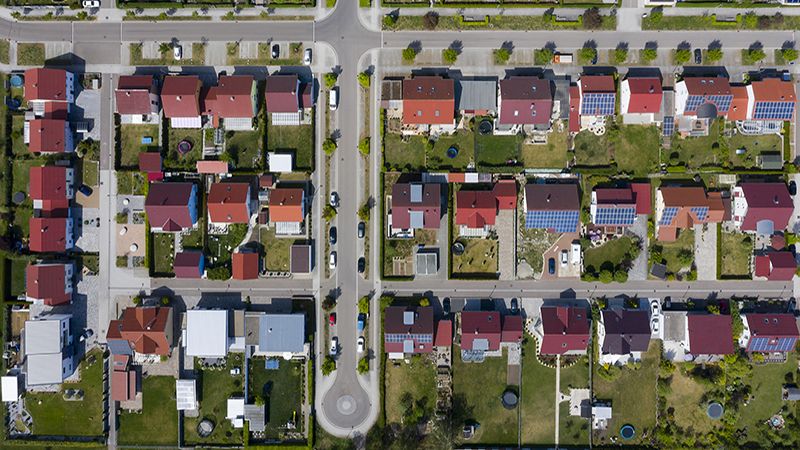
pixel 206 333
pixel 48 355
pixel 186 395
pixel 280 162
pixel 10 386
pixel 236 412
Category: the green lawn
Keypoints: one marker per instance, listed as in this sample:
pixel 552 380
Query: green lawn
pixel 157 423
pixel 685 397
pixel 131 143
pixel 90 171
pixel 175 160
pixel 194 238
pixel 214 389
pixel 671 250
pixel 220 246
pixel 244 148
pixel 538 398
pixel 766 381
pixel 553 155
pixel 20 175
pixel 404 248
pixel 52 415
pixel 18 146
pixel 403 153
pixel 22 216
pixel 463 140
pixel 636 149
pixel 479 257
pixel 573 430
pixel 735 252
pixel 277 250
pixel 633 396
pixel 281 390
pixel 494 152
pixel 163 253
pixel 607 256
pixel 297 139
pixel 591 150
pixel 477 388
pixel 417 379
pixel 18 267
pixel 131 183
pixel 753 147
pixel 30 54
pixel 698 151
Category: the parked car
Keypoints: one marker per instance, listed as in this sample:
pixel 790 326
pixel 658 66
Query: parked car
pixel 361 230
pixel 655 325
pixel 698 56
pixel 88 4
pixel 361 321
pixel 564 255
pixel 85 190
pixel 177 52
pixel 332 319
pixel 334 346
pixel 792 188
pixel 334 200
pixel 333 99
pixel 332 261
pixel 655 308
pixel 514 306
pixel 551 266
pixel 307 57
pixel 446 306
pixel 360 344
pixel 362 264
pixel 276 51
pixel 333 236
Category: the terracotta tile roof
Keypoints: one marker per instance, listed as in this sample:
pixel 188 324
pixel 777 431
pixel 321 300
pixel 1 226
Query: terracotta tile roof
pixel 133 94
pixel 597 83
pixel 281 94
pixel 145 328
pixel 512 329
pixel 772 325
pixel 444 333
pixel 428 100
pixel 49 184
pixel 286 205
pixel 47 136
pixel 48 234
pixel 506 193
pixel 180 96
pixel 773 90
pixel 245 265
pixel 229 203
pixel 738 109
pixel 525 100
pixel 212 167
pixel 475 209
pixel 776 266
pixel 46 84
pixel 710 334
pixel 646 95
pixel 231 98
pixel 46 282
pixel 574 109
pixel 167 206
pixel 566 328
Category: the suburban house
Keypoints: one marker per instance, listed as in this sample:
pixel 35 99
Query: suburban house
pixel 300 260
pixel 623 335
pixel 640 100
pixel 524 101
pixel 771 99
pixel 476 97
pixel 414 206
pixel 597 100
pixel 680 208
pixel 615 209
pixel 762 207
pixel 151 163
pixel 392 93
pixel 137 99
pixel 189 264
pixel 49 283
pixel 476 211
pixel 245 265
pixel 288 99
pixel 483 333
pixel 231 104
pixel 180 97
pixel 48 136
pixel 50 234
pixel 407 330
pixel 124 383
pixel 142 332
pixel 51 189
pixel 171 207
pixel 229 203
pixel 48 349
pixel 698 100
pixel 565 330
pixel 775 265
pixel 206 334
pixel 287 210
pixel 769 333
pixel 429 104
pixel 710 335
pixel 275 335
pixel 50 92
pixel 553 207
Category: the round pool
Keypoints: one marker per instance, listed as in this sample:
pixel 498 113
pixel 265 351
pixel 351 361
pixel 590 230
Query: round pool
pixel 485 127
pixel 627 432
pixel 509 399
pixel 715 410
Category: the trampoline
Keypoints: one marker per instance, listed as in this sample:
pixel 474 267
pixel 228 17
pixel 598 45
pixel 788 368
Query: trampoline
pixel 205 428
pixel 184 147
pixel 458 248
pixel 714 410
pixel 509 399
pixel 485 127
pixel 452 152
pixel 627 432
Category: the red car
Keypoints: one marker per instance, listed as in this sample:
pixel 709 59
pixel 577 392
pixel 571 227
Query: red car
pixel 332 319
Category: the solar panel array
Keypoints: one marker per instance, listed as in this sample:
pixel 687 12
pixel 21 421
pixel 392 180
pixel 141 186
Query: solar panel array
pixel 765 344
pixel 700 211
pixel 615 216
pixel 669 214
pixel 669 125
pixel 722 102
pixel 398 338
pixel 559 221
pixel 773 110
pixel 598 104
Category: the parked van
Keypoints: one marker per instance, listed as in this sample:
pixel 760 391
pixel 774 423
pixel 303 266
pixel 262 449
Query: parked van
pixel 333 98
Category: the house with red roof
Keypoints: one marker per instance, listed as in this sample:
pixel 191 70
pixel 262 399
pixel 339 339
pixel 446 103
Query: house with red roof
pixel 189 264
pixel 429 104
pixel 680 208
pixel 565 330
pixel 415 206
pixel 287 210
pixel 771 99
pixel 124 379
pixel 615 209
pixel 596 100
pixel 288 99
pixel 50 92
pixel 151 164
pixel 484 333
pixel 710 336
pixel 769 333
pixel 231 104
pixel 180 98
pixel 51 189
pixel 739 100
pixel 762 207
pixel 171 207
pixel 49 283
pixel 476 211
pixel 245 265
pixel 230 203
pixel 775 265
pixel 50 234
pixel 407 330
pixel 137 99
pixel 525 101
pixel 48 136
pixel 142 332
pixel 444 333
pixel 699 100
pixel 640 100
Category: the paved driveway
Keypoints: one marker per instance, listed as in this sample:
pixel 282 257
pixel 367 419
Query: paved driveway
pixel 705 251
pixel 638 270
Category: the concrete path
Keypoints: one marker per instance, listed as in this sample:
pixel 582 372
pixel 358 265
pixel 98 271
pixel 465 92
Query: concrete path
pixel 507 252
pixel 705 251
pixel 639 267
pixel 558 397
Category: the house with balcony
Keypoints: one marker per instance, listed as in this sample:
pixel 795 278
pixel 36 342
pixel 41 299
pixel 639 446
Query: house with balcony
pixel 49 283
pixel 565 330
pixel 137 99
pixel 50 92
pixel 623 335
pixel 640 100
pixel 229 203
pixel 407 330
pixel 700 100
pixel 484 334
pixel 51 189
pixel 477 210
pixel 429 105
pixel 48 136
pixel 769 333
pixel 614 209
pixel 525 103
pixel 288 99
pixel 595 102
pixel 287 210
pixel 414 206
pixel 145 333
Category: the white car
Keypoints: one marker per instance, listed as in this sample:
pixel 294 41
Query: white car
pixel 334 346
pixel 177 52
pixel 655 325
pixel 655 308
pixel 307 57
pixel 360 344
pixel 88 4
pixel 332 261
pixel 334 199
pixel 333 99
pixel 564 254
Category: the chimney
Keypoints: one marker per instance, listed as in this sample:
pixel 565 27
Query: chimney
pixel 775 200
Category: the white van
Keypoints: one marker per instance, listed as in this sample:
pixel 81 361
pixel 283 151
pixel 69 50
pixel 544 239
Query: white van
pixel 333 98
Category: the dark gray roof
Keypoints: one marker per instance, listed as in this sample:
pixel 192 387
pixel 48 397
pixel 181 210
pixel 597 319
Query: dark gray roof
pixel 626 331
pixel 476 95
pixel 281 333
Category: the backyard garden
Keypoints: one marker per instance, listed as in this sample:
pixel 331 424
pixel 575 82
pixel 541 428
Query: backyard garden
pixel 297 139
pixel 281 390
pixel 215 386
pixel 157 423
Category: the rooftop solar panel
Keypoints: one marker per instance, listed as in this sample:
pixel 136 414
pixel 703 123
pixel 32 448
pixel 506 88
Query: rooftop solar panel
pixel 700 211
pixel 669 125
pixel 765 344
pixel 598 104
pixel 668 215
pixel 773 110
pixel 558 221
pixel 722 102
pixel 615 216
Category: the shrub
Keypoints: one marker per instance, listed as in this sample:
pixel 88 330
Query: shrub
pixel 682 55
pixel 608 372
pixel 363 365
pixel 363 211
pixel 789 54
pixel 328 213
pixel 328 366
pixel 329 146
pixel 449 56
pixel 620 55
pixel 137 300
pixel 363 305
pixel 542 56
pixel 364 80
pixel 592 19
pixel 753 56
pixel 620 276
pixel 219 273
pixel 363 146
pixel 328 303
pixel 649 54
pixel 713 55
pixel 430 20
pixel 501 56
pixel 409 54
pixel 587 54
pixel 424 302
pixel 605 276
pixel 389 20
pixel 330 79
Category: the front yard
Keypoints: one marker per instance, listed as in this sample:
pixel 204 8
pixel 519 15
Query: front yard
pixel 735 250
pixel 173 158
pixel 677 255
pixel 403 250
pixel 163 253
pixel 54 416
pixel 220 246
pixel 479 257
pixel 157 423
pixel 276 249
pixel 244 149
pixel 415 381
pixel 298 140
pixel 532 244
pixel 131 183
pixel 611 256
pixel 281 391
pixel 215 386
pixel 131 143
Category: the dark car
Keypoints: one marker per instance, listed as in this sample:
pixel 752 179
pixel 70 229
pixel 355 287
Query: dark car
pixel 594 58
pixel 362 264
pixel 551 266
pixel 514 306
pixel 792 188
pixel 446 306
pixel 276 51
pixel 698 56
pixel 361 229
pixel 333 236
pixel 85 190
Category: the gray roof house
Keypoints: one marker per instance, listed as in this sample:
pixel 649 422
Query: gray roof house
pixel 476 96
pixel 623 333
pixel 48 349
pixel 281 334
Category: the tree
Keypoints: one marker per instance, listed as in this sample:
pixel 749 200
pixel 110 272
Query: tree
pixel 424 301
pixel 164 47
pixel 363 365
pixel 363 146
pixel 449 56
pixel 137 300
pixel 754 55
pixel 364 79
pixel 587 54
pixel 605 276
pixel 363 305
pixel 219 273
pixel 543 56
pixel 430 20
pixel 328 366
pixel 789 54
pixel 363 211
pixel 682 55
pixel 165 300
pixel 713 309
pixel 714 54
pixel 389 20
pixel 620 276
pixel 502 55
pixel 328 213
pixel 328 303
pixel 648 55
pixel 592 19
pixel 620 55
pixel 329 146
pixel 409 54
pixel 330 79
